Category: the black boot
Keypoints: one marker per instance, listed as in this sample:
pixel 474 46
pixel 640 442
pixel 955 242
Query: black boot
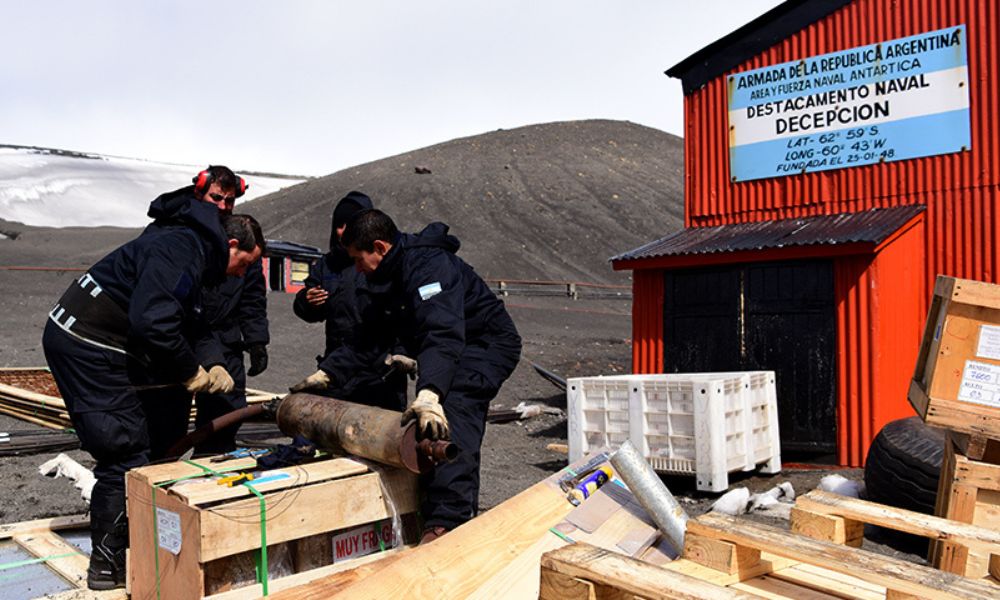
pixel 107 556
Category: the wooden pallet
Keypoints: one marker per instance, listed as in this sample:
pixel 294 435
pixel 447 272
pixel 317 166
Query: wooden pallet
pixel 968 492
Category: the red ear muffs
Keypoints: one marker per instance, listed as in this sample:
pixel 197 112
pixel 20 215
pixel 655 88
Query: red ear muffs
pixel 201 181
pixel 241 186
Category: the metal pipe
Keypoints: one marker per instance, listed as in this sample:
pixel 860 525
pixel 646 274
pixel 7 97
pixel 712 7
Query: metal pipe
pixel 651 493
pixel 364 431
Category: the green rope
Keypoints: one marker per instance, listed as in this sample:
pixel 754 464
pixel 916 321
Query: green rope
pixel 156 535
pixel 34 561
pixel 262 556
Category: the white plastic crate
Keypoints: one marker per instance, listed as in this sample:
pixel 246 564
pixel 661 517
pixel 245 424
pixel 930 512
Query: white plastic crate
pixel 703 424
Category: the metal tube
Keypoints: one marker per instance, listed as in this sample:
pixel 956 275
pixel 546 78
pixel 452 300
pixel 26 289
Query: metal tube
pixel 651 493
pixel 365 431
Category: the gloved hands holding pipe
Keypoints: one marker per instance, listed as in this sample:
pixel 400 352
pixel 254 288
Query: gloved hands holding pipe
pixel 199 382
pixel 429 414
pixel 317 381
pixel 402 364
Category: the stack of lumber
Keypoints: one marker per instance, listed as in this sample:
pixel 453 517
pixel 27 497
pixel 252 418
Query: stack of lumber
pixel 956 386
pixel 31 395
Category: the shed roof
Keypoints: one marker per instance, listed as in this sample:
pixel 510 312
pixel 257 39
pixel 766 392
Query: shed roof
pixel 872 226
pixel 734 49
pixel 293 249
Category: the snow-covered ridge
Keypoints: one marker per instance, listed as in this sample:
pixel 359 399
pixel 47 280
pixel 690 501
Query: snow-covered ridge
pixel 56 188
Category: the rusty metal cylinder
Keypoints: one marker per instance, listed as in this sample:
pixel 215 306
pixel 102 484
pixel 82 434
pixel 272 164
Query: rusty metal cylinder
pixel 365 431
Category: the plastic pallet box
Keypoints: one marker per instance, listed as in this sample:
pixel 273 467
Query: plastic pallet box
pixel 702 424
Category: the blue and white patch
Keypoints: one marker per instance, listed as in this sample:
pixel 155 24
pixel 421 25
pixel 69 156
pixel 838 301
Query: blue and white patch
pixel 430 290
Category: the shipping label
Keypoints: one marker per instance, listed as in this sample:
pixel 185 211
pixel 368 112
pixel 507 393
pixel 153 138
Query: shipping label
pixel 989 342
pixel 980 383
pixel 168 530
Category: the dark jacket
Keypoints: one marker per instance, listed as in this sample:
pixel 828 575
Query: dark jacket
pixel 440 311
pixel 336 274
pixel 156 279
pixel 234 316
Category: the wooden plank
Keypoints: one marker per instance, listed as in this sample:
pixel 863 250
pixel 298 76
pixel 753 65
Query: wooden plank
pixel 511 582
pixel 304 511
pixel 890 572
pixel 830 528
pixel 935 528
pixel 838 584
pixel 773 588
pixel 169 471
pixel 768 564
pixel 201 492
pixel 9 530
pixel 556 586
pixel 466 558
pixel 629 575
pixel 32 418
pixel 256 590
pixel 719 555
pixel 73 568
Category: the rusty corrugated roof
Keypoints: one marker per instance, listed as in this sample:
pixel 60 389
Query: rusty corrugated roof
pixel 872 226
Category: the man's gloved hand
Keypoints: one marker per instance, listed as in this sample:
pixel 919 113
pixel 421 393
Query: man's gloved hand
pixel 427 410
pixel 199 382
pixel 220 381
pixel 317 381
pixel 401 363
pixel 258 359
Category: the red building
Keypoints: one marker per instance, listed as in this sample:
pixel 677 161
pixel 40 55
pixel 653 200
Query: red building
pixel 838 156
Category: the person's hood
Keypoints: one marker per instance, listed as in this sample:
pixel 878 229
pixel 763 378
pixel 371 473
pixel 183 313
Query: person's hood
pixel 434 235
pixel 181 208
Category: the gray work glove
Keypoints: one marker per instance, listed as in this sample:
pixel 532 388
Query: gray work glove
pixel 220 381
pixel 199 382
pixel 317 381
pixel 401 363
pixel 429 414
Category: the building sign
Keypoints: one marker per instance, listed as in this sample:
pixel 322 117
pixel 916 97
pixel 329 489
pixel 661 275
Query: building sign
pixel 890 101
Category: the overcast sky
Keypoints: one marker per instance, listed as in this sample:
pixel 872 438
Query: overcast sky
pixel 313 87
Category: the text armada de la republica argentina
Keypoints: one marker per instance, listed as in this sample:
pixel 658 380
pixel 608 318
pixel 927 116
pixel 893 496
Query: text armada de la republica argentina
pixel 849 108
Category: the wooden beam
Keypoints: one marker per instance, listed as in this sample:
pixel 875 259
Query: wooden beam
pixel 826 527
pixel 892 573
pixel 719 555
pixel 631 576
pixel 73 568
pixel 9 530
pixel 935 528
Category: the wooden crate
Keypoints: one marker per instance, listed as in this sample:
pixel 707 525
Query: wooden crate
pixel 202 538
pixel 956 384
pixel 968 492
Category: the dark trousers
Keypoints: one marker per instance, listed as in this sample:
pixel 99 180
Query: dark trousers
pixel 120 426
pixel 212 406
pixel 451 490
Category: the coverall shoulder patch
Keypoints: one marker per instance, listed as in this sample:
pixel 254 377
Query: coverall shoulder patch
pixel 430 290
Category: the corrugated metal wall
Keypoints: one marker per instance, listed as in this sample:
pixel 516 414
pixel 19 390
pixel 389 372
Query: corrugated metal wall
pixel 880 312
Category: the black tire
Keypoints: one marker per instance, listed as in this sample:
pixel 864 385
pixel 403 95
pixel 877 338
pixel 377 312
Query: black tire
pixel 902 470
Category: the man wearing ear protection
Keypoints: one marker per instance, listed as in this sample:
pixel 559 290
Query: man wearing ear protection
pixel 235 313
pixel 120 332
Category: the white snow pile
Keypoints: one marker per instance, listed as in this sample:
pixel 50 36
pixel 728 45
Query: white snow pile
pixel 778 501
pixel 69 189
pixel 838 484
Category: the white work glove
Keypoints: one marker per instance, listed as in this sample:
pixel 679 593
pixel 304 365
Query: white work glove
pixel 402 363
pixel 221 382
pixel 317 381
pixel 199 382
pixel 427 410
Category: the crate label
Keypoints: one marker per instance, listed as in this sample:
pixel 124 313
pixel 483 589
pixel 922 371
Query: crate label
pixel 362 541
pixel 989 342
pixel 168 530
pixel 980 384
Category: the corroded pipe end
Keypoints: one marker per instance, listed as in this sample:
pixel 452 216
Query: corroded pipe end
pixel 438 450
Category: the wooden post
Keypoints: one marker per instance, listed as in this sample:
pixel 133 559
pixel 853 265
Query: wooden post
pixel 719 555
pixel 829 528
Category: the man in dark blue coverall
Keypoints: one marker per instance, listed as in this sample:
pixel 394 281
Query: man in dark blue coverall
pixel 443 314
pixel 332 293
pixel 235 314
pixel 119 331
